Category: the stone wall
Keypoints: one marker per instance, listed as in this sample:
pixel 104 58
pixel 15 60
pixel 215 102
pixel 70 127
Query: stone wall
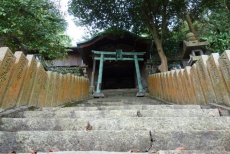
pixel 24 82
pixel 207 81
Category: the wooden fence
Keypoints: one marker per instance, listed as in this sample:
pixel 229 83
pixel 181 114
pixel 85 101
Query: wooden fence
pixel 207 81
pixel 24 82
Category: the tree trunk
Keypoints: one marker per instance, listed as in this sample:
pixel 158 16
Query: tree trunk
pixel 158 42
pixel 164 63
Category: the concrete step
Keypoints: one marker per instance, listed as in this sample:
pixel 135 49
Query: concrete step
pixel 122 113
pixel 159 152
pixel 81 152
pixel 121 141
pixel 191 152
pixel 136 123
pixel 123 107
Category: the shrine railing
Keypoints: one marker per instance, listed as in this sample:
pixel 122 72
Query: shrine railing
pixel 206 81
pixel 24 82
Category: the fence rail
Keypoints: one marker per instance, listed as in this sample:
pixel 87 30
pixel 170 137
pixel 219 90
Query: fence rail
pixel 207 81
pixel 24 81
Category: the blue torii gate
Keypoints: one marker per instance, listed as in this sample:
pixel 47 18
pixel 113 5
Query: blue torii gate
pixel 118 55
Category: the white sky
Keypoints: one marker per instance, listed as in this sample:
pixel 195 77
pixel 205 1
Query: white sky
pixel 74 32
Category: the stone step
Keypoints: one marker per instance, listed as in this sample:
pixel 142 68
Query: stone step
pixel 121 141
pixel 123 107
pixel 191 152
pixel 82 152
pixel 136 123
pixel 122 113
pixel 159 152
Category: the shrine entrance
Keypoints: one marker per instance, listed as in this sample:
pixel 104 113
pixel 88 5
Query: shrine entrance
pixel 118 75
pixel 119 55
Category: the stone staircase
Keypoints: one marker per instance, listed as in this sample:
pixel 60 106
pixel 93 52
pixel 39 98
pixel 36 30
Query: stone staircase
pixel 117 125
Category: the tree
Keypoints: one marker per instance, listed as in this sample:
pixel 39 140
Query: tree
pixel 155 17
pixel 215 27
pixel 33 27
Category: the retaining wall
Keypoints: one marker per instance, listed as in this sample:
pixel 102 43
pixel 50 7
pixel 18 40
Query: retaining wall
pixel 23 81
pixel 207 81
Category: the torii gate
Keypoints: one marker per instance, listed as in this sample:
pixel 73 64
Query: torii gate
pixel 118 55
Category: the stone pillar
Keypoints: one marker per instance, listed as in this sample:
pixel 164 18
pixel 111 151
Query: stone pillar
pixel 15 81
pixel 42 96
pixel 75 88
pixel 56 87
pixel 170 87
pixel 205 80
pixel 224 61
pixel 38 81
pixel 161 78
pixel 188 84
pixel 197 85
pixel 65 86
pixel 185 97
pixel 72 87
pixel 7 60
pixel 178 87
pixel 50 88
pixel 154 85
pixel 79 88
pixel 173 89
pixel 60 91
pixel 68 94
pixel 28 82
pixel 219 85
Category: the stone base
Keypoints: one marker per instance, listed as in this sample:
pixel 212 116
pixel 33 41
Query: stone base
pixel 140 94
pixel 98 95
pixel 91 89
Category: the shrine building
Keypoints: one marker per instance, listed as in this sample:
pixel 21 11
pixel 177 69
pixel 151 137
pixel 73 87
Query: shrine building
pixel 115 61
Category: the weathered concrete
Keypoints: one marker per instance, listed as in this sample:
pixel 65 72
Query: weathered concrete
pixel 136 123
pixel 113 140
pixel 28 82
pixel 50 88
pixel 195 81
pixel 74 140
pixel 189 86
pixel 159 152
pixel 57 86
pixel 6 64
pixel 15 81
pixel 219 85
pixel 123 107
pixel 178 87
pixel 84 152
pixel 37 86
pixel 224 61
pixel 205 80
pixel 192 152
pixel 123 113
pixel 42 96
pixel 185 96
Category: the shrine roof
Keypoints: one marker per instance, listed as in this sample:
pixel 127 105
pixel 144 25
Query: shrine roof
pixel 127 41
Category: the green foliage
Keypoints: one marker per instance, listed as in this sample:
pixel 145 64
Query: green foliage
pixel 131 15
pixel 163 20
pixel 215 27
pixel 33 27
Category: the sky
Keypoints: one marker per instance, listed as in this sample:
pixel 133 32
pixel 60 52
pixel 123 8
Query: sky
pixel 74 32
